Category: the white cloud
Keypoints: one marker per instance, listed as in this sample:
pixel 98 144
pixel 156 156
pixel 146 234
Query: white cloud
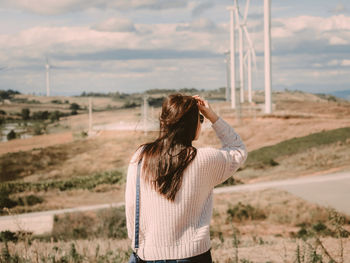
pixel 53 7
pixel 345 62
pixel 337 40
pixel 115 25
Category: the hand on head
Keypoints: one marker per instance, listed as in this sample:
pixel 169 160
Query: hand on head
pixel 206 109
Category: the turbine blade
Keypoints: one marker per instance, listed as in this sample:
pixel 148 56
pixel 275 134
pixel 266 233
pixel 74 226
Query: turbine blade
pixel 246 11
pixel 254 57
pixel 250 43
pixel 247 36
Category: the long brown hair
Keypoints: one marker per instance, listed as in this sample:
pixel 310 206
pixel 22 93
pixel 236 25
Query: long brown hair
pixel 166 158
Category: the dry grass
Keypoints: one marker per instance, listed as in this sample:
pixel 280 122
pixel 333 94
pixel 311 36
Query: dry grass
pixel 321 160
pixel 264 240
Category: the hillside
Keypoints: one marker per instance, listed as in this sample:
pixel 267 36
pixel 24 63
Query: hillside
pixel 66 155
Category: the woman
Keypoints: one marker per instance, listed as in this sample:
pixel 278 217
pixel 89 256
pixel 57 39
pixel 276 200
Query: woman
pixel 177 181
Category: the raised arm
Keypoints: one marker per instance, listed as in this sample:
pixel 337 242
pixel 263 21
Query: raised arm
pixel 225 161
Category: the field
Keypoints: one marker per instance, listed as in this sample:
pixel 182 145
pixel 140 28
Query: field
pixel 307 134
pixel 263 226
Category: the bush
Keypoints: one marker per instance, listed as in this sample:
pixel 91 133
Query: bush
pixel 85 182
pixel 5 200
pixel 241 212
pixel 73 112
pixel 40 115
pixel 11 135
pixel 74 106
pixel 129 104
pixel 105 223
pixel 113 223
pixel 156 102
pixel 25 114
pixel 54 116
pixel 39 129
pixel 30 200
pixel 8 236
pixel 8 94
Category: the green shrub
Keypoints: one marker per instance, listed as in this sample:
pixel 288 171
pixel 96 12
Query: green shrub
pixel 11 135
pixel 40 115
pixel 30 200
pixel 113 223
pixel 25 114
pixel 74 106
pixel 130 104
pixel 105 223
pixel 7 236
pixel 241 212
pixel 83 182
pixel 5 200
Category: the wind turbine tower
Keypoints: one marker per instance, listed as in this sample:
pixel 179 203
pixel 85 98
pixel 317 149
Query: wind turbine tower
pixel 47 66
pixel 267 54
pixel 228 78
pixel 250 54
pixel 232 57
pixel 240 39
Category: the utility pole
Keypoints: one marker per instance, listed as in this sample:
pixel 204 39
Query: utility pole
pixel 90 115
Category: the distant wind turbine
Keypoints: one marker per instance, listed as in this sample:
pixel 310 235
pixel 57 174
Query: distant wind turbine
pixel 47 67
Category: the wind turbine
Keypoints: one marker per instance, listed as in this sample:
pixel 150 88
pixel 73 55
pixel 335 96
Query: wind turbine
pixel 267 55
pixel 250 54
pixel 241 62
pixel 47 66
pixel 228 77
pixel 232 56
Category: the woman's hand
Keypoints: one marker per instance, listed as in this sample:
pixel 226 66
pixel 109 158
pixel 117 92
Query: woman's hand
pixel 205 109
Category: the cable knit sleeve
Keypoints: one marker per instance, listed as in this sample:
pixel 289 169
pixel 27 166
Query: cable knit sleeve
pixel 226 160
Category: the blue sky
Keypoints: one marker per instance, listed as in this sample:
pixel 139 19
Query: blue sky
pixel 135 45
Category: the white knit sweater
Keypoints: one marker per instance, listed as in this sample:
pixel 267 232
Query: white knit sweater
pixel 180 229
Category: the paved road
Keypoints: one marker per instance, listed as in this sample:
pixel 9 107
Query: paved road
pixel 327 190
pixel 330 190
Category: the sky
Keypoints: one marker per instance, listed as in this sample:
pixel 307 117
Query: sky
pixel 136 45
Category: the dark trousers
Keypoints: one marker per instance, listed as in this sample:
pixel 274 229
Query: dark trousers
pixel 202 258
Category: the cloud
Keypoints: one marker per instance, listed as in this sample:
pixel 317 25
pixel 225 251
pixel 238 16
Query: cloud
pixel 345 62
pixel 115 25
pixel 310 34
pixel 198 25
pixel 53 7
pixel 339 8
pixel 138 54
pixel 201 7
